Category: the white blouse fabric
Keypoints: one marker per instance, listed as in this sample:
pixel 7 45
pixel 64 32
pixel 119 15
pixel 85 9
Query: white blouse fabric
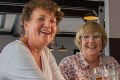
pixel 18 63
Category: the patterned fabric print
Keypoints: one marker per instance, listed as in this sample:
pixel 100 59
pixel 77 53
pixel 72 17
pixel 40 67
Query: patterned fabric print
pixel 75 67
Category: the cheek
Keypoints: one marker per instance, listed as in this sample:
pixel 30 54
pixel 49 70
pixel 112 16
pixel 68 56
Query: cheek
pixel 31 29
pixel 83 47
pixel 100 45
pixel 30 26
pixel 54 29
pixel 83 44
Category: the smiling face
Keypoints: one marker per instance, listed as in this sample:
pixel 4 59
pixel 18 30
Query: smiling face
pixel 91 44
pixel 91 39
pixel 41 28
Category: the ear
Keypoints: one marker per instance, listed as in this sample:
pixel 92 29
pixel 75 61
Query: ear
pixel 26 26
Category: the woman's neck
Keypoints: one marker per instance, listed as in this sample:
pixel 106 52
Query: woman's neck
pixel 35 52
pixel 37 56
pixel 94 63
pixel 92 60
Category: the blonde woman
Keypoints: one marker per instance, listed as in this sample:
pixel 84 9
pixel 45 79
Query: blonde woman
pixel 91 39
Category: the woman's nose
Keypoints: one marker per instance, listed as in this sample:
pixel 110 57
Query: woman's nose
pixel 47 23
pixel 91 39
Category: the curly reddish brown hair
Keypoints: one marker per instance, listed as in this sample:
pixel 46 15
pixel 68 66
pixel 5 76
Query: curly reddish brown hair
pixel 47 5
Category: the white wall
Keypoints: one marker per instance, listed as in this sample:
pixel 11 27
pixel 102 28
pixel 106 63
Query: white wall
pixel 114 18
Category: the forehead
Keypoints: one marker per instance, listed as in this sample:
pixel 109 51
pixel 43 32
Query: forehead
pixel 39 11
pixel 90 30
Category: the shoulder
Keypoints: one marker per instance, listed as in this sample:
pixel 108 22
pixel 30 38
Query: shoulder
pixel 14 54
pixel 14 49
pixel 13 46
pixel 109 60
pixel 9 50
pixel 68 66
pixel 68 60
pixel 13 57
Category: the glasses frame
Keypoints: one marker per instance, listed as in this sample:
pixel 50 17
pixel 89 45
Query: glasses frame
pixel 95 36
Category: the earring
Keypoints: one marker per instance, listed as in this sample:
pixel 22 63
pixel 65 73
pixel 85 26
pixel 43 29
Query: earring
pixel 26 35
pixel 25 38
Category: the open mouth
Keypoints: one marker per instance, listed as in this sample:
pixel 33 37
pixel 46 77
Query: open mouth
pixel 91 47
pixel 45 32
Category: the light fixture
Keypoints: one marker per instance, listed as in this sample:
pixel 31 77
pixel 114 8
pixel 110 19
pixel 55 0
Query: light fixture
pixel 90 16
pixel 53 46
pixel 62 48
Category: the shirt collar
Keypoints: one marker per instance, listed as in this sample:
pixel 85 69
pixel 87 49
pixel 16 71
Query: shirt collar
pixel 85 64
pixel 82 61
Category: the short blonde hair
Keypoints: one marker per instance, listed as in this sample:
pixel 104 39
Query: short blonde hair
pixel 90 28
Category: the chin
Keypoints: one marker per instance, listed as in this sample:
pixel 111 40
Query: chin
pixel 92 52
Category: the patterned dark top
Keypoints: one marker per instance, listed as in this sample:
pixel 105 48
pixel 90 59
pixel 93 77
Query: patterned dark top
pixel 75 67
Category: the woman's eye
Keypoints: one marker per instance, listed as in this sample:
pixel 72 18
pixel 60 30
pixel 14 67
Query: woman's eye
pixel 86 37
pixel 41 19
pixel 52 21
pixel 96 36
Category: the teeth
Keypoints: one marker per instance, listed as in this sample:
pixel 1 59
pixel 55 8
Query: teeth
pixel 47 32
pixel 92 47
